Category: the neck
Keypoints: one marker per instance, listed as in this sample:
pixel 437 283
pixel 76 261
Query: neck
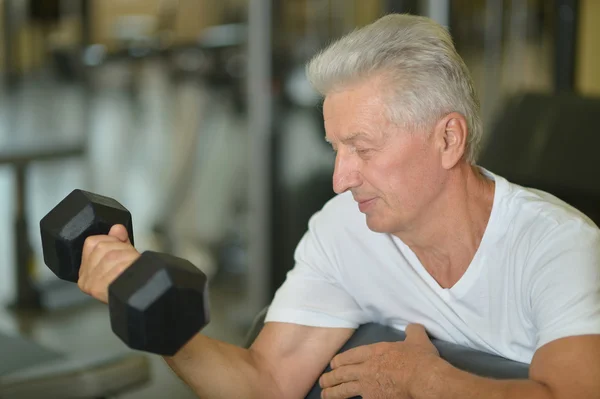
pixel 447 237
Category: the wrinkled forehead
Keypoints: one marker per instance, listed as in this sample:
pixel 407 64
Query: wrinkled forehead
pixel 355 101
pixel 347 124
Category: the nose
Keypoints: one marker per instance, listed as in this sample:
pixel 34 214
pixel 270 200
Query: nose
pixel 345 173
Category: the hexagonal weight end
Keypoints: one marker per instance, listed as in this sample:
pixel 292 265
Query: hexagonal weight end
pixel 159 303
pixel 65 228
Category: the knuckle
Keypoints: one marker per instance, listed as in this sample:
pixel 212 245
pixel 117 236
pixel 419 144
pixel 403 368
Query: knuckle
pixel 121 266
pixel 109 242
pixel 346 388
pixel 328 379
pixel 90 242
pixel 349 389
pixel 334 361
pixel 113 255
pixel 119 269
pixel 103 245
pixel 336 378
pixel 324 381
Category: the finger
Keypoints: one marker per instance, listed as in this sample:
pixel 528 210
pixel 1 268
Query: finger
pixel 100 289
pixel 97 283
pixel 342 391
pixel 115 259
pixel 416 333
pixel 103 255
pixel 351 356
pixel 340 376
pixel 93 267
pixel 120 231
pixel 89 246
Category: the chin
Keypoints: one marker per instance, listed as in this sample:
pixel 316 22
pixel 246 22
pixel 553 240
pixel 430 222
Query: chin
pixel 379 225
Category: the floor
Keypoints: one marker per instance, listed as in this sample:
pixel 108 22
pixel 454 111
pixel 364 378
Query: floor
pixel 138 143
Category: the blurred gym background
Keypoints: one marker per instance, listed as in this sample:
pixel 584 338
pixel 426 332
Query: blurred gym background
pixel 196 116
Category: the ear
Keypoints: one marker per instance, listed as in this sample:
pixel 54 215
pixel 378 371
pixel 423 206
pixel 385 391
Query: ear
pixel 451 134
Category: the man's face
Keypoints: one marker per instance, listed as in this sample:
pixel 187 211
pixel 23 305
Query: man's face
pixel 393 174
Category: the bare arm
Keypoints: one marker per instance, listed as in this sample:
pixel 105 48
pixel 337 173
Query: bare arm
pixel 284 362
pixel 563 369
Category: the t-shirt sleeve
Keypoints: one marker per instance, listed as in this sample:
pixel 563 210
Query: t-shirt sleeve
pixel 565 288
pixel 313 293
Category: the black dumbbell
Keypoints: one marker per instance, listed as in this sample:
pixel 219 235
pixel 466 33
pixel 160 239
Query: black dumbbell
pixel 157 304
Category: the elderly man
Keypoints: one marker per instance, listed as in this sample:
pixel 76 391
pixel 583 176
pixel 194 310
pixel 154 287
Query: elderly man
pixel 419 238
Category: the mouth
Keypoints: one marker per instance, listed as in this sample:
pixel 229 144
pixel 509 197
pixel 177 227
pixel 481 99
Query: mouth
pixel 364 205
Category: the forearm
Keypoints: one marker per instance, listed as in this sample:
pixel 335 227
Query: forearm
pixel 444 381
pixel 216 370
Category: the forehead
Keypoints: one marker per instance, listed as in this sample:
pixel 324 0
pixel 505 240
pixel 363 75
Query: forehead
pixel 359 107
pixel 366 93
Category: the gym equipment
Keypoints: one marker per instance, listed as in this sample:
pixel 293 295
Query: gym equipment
pixel 29 370
pixel 467 359
pixel 547 142
pixel 62 234
pixel 157 304
pixel 20 157
pixel 19 354
pixel 215 79
pixel 29 141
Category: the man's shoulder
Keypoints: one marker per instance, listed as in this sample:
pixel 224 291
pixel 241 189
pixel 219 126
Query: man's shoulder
pixel 546 216
pixel 545 207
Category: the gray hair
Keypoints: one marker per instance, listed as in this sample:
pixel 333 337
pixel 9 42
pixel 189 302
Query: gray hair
pixel 427 77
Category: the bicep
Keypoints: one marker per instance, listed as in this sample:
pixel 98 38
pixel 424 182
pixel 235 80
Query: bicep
pixel 565 292
pixel 296 355
pixel 569 367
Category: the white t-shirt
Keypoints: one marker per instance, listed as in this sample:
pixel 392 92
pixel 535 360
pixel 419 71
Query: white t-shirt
pixel 534 278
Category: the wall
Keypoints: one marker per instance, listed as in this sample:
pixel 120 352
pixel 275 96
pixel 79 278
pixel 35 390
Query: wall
pixel 588 49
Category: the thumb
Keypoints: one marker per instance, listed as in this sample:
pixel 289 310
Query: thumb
pixel 119 231
pixel 416 333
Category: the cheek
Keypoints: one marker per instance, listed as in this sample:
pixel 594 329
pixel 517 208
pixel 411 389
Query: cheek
pixel 411 179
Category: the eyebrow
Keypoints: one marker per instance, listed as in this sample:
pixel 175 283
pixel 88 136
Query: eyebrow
pixel 353 136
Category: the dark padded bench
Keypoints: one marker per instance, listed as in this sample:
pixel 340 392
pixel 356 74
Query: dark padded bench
pixel 549 142
pixel 480 363
pixel 29 370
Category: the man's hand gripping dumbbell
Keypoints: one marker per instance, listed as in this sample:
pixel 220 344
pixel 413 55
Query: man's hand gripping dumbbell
pixel 157 302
